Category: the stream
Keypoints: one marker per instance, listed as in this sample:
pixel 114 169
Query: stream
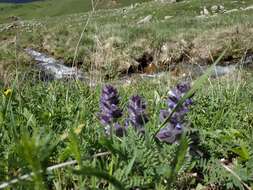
pixel 52 69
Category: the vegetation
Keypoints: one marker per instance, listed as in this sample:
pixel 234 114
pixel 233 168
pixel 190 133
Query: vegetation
pixel 51 135
pixel 51 8
pixel 112 39
pixel 46 124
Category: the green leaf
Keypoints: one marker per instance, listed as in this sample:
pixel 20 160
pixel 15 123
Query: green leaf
pixel 89 171
pixel 130 165
pixel 74 146
pixel 29 117
pixel 242 151
pixel 107 143
pixel 179 159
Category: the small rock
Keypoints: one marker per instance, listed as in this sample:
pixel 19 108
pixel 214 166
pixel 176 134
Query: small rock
pixel 249 8
pixel 221 7
pixel 214 8
pixel 205 11
pixel 201 16
pixel 164 48
pixel 167 17
pixel 145 20
pixel 52 69
pixel 230 11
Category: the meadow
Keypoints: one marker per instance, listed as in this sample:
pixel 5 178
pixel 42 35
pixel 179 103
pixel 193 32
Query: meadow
pixel 66 134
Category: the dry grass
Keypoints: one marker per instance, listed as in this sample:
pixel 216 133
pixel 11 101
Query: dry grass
pixel 112 41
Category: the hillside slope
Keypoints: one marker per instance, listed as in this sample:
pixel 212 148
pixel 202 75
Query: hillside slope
pixel 48 8
pixel 114 39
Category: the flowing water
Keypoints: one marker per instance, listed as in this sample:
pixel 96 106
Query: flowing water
pixel 52 69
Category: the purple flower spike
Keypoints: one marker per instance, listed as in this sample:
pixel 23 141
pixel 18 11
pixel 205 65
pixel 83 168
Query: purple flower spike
pixel 109 110
pixel 110 95
pixel 137 116
pixel 175 125
pixel 105 119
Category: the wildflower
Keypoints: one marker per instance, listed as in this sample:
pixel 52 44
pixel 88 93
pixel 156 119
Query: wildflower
pixel 109 110
pixel 137 116
pixel 8 92
pixel 175 126
pixel 170 133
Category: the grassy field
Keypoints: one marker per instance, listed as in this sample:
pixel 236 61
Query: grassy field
pixel 51 8
pixel 53 132
pixel 46 124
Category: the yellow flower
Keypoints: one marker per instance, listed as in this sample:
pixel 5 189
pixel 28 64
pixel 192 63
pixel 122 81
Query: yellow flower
pixel 77 131
pixel 8 92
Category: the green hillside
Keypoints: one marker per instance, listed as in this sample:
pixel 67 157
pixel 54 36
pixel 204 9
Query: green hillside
pixel 48 8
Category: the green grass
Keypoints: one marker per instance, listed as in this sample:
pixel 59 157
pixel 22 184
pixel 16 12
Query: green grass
pixel 49 8
pixel 34 118
pixel 45 124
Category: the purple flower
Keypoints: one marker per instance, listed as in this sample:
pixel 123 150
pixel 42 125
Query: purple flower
pixel 137 116
pixel 110 95
pixel 109 110
pixel 170 133
pixel 183 87
pixel 175 127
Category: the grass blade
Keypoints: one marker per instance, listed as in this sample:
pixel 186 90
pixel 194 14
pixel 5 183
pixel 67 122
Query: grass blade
pixel 89 171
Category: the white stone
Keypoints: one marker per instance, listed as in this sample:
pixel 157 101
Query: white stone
pixel 53 68
pixel 167 17
pixel 230 11
pixel 221 7
pixel 214 8
pixel 249 8
pixel 145 20
pixel 205 11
